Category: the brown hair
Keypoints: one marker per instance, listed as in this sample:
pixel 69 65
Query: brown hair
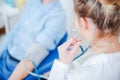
pixel 104 13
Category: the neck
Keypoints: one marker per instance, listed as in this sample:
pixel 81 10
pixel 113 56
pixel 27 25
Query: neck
pixel 46 1
pixel 106 45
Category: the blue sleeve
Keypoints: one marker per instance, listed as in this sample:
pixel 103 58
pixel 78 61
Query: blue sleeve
pixel 54 30
pixel 25 10
pixel 9 37
pixel 48 39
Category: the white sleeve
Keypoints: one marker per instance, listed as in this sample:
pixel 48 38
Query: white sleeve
pixel 59 71
pixel 102 71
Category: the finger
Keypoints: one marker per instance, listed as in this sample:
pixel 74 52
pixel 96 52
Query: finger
pixel 67 44
pixel 74 50
pixel 71 46
pixel 75 40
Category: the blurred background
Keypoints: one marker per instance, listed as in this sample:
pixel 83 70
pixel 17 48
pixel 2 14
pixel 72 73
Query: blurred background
pixel 11 9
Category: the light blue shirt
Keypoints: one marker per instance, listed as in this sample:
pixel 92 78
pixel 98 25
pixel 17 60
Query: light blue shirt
pixel 44 24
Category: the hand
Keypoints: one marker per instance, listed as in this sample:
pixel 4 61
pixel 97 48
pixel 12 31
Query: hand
pixel 68 50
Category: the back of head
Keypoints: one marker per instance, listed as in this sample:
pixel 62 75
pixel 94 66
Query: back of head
pixel 104 13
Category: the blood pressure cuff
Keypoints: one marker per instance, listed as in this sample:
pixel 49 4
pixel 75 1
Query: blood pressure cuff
pixel 36 53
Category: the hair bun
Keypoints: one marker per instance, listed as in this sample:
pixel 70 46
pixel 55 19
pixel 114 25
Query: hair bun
pixel 109 2
pixel 118 2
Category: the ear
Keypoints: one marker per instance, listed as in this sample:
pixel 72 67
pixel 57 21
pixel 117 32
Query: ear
pixel 85 23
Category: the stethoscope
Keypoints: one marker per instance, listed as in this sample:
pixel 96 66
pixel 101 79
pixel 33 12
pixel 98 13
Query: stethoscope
pixel 36 74
pixel 83 52
pixel 75 32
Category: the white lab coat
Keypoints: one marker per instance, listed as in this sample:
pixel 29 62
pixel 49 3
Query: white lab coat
pixel 96 67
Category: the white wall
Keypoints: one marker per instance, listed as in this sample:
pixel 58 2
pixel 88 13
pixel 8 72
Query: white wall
pixel 68 6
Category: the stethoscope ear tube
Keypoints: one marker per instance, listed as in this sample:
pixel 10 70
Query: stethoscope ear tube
pixel 83 52
pixel 36 71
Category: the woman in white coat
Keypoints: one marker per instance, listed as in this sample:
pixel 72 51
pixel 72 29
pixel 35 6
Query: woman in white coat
pixel 99 23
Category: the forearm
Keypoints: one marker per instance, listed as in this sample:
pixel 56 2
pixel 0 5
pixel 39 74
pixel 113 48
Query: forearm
pixel 20 73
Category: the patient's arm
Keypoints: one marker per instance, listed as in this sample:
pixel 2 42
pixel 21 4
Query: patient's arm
pixel 36 53
pixel 20 73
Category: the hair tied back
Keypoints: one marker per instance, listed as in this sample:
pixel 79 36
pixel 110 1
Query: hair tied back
pixel 109 2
